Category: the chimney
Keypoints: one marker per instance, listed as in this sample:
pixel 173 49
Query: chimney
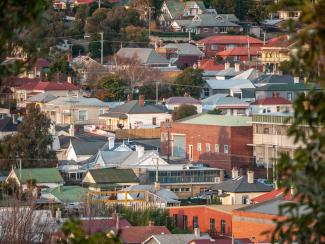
pixel 129 97
pixel 111 142
pixel 296 79
pixel 250 177
pixel 186 94
pixel 141 100
pixel 71 130
pixel 69 79
pixel 151 223
pixel 140 150
pixel 237 67
pixel 58 214
pixel 197 233
pixel 227 65
pixel 234 173
pixel 157 186
pixel 222 175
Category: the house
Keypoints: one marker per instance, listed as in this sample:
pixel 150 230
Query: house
pixel 215 220
pixel 65 194
pixel 289 13
pixel 138 234
pixel 228 72
pixel 170 10
pixel 205 24
pixel 109 178
pixel 240 54
pixel 193 8
pixel 270 137
pixel 146 56
pixel 270 105
pixel 217 140
pixel 29 89
pixel 175 238
pixel 242 88
pixel 210 67
pixel 174 102
pixel 276 193
pixel 264 79
pixel 213 44
pixel 39 70
pixel 8 126
pixel 273 53
pixel 287 91
pixel 238 189
pixel 155 196
pixel 44 177
pixel 135 114
pixel 101 224
pixel 183 55
pixel 75 110
pixel 226 104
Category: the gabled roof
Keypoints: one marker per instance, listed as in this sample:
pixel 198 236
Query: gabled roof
pixel 133 107
pixel 264 79
pixel 87 147
pixel 41 175
pixel 278 42
pixel 175 8
pixel 68 194
pixel 79 101
pixel 250 74
pixel 210 64
pixel 138 234
pixel 272 101
pixel 225 102
pixel 240 184
pixel 210 20
pixel 182 100
pixel 176 238
pixel 6 125
pixel 228 72
pixel 229 84
pixel 42 63
pixel 230 39
pixel 287 87
pixel 48 86
pixel 217 120
pixel 185 49
pixel 43 97
pixel 272 195
pixel 93 225
pixel 112 175
pixel 147 56
pixel 239 51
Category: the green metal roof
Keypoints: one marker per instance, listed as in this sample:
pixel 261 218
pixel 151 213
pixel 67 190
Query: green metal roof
pixel 286 87
pixel 41 175
pixel 68 194
pixel 112 175
pixel 219 120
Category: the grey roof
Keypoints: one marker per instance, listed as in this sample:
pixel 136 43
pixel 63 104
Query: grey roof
pixel 133 107
pixel 87 148
pixel 240 184
pixel 229 72
pixel 250 74
pixel 182 100
pixel 224 100
pixel 199 3
pixel 175 8
pixel 229 17
pixel 229 84
pixel 210 20
pixel 177 238
pixel 42 97
pixel 147 56
pixel 183 22
pixel 6 125
pixel 78 101
pixel 185 49
pixel 286 79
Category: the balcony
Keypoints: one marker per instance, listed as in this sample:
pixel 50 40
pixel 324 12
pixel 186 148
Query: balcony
pixel 278 140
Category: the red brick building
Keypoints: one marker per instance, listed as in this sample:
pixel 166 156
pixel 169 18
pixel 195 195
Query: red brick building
pixel 213 219
pixel 219 141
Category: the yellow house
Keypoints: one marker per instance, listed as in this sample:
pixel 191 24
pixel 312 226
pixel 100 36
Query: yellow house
pixel 276 51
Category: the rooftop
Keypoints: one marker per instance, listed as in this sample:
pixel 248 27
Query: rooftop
pixel 182 100
pixel 41 175
pixel 287 87
pixel 95 225
pixel 210 65
pixel 78 101
pixel 230 39
pixel 217 120
pixel 144 55
pixel 272 101
pixel 48 86
pixel 229 84
pixel 239 51
pixel 43 97
pixel 185 49
pixel 111 175
pixel 138 234
pixel 68 194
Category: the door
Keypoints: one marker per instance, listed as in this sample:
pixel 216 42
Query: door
pixel 190 152
pixel 179 147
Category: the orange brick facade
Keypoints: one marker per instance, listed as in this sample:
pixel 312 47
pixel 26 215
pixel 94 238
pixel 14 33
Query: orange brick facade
pixel 205 217
pixel 239 154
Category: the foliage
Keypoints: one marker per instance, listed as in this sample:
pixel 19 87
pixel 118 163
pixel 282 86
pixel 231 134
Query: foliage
pixel 258 12
pixel 164 91
pixel 74 234
pixel 242 8
pixel 61 65
pixel 31 142
pixel 215 111
pixel 142 5
pixel 177 230
pixel 189 81
pixel 183 111
pixel 77 49
pixel 135 34
pixel 223 6
pixel 304 172
pixel 111 87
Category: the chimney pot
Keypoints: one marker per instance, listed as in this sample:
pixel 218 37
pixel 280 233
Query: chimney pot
pixel 141 100
pixel 237 67
pixel 227 65
pixel 129 97
pixel 234 173
pixel 151 223
pixel 250 177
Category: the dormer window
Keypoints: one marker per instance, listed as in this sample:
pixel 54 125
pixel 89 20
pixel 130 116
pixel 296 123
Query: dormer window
pixel 196 18
pixel 219 18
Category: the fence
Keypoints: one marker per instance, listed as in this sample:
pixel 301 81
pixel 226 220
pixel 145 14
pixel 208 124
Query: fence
pixel 151 133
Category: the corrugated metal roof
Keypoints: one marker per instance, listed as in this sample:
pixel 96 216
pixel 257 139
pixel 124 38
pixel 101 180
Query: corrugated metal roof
pixel 218 120
pixel 229 84
pixel 111 175
pixel 41 175
pixel 146 56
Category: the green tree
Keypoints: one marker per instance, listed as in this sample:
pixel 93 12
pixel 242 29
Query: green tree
pixel 242 8
pixel 110 87
pixel 189 81
pixel 304 172
pixel 223 6
pixel 258 12
pixel 135 34
pixel 60 65
pixel 183 111
pixel 32 142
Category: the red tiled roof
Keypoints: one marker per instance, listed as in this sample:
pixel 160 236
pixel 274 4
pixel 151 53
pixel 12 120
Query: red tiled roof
pixel 48 86
pixel 102 225
pixel 226 39
pixel 17 81
pixel 271 101
pixel 138 234
pixel 280 41
pixel 209 64
pixel 239 51
pixel 271 195
pixel 42 63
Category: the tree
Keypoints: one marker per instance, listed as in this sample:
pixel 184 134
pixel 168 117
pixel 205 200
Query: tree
pixel 135 34
pixel 223 6
pixel 258 12
pixel 242 8
pixel 304 172
pixel 60 65
pixel 32 141
pixel 189 81
pixel 183 111
pixel 111 87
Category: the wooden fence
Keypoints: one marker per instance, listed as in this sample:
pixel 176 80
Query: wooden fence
pixel 151 133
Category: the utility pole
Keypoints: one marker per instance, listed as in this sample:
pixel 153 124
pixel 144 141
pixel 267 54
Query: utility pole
pixel 99 3
pixel 101 47
pixel 156 92
pixel 149 20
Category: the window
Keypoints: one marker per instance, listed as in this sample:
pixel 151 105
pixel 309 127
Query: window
pixel 223 227
pixel 185 222
pixel 245 199
pixel 230 46
pixel 199 147
pixel 101 111
pixel 154 120
pixel 174 219
pixel 216 148
pixel 223 29
pixel 289 96
pixel 82 115
pixel 206 29
pixel 214 47
pixel 195 222
pixel 206 92
pixel 212 225
pixel 207 148
pixel 225 148
pixel 266 131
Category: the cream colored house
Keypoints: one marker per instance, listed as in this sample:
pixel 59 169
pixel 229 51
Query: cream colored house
pixel 75 110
